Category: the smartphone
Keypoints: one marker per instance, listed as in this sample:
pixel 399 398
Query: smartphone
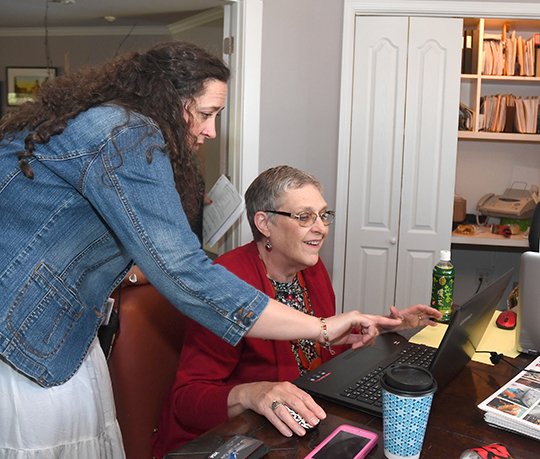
pixel 345 442
pixel 240 447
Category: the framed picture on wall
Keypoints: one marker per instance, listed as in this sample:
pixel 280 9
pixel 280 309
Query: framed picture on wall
pixel 22 83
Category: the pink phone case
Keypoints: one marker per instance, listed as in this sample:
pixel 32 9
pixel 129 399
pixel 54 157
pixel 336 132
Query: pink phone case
pixel 332 446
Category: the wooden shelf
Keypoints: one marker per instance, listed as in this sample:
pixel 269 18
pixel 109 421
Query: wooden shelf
pixel 493 240
pixel 498 136
pixel 470 76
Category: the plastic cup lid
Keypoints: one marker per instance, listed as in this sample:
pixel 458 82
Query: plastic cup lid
pixel 408 380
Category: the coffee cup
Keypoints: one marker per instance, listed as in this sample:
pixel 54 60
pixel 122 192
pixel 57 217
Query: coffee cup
pixel 407 392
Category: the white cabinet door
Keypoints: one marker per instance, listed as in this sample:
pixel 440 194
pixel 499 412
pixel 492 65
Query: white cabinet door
pixel 402 158
pixel 376 150
pixel 429 158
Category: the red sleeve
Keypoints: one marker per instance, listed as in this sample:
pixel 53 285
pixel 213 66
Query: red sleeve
pixel 202 385
pixel 200 390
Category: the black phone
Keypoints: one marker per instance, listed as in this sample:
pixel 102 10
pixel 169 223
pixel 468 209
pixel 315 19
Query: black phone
pixel 240 447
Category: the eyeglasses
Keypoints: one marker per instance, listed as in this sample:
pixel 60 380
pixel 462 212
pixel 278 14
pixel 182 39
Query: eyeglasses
pixel 308 218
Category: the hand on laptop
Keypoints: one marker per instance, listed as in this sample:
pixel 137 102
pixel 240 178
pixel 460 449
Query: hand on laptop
pixel 418 315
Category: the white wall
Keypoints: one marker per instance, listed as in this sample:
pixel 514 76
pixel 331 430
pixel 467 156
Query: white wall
pixel 301 64
pixel 210 37
pixel 80 51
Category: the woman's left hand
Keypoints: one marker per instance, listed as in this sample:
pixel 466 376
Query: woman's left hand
pixel 418 315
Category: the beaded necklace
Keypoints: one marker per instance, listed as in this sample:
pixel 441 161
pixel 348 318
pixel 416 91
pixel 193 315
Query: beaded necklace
pixel 307 352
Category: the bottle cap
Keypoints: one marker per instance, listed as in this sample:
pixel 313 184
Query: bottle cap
pixel 445 255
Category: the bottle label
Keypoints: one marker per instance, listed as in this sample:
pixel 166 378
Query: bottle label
pixel 442 294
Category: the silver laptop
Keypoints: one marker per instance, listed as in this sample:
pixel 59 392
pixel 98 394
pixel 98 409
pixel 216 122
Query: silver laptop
pixel 528 310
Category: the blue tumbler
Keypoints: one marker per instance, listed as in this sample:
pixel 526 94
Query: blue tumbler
pixel 407 392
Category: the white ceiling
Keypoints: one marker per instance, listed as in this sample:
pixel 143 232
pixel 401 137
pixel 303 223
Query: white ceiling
pixel 90 13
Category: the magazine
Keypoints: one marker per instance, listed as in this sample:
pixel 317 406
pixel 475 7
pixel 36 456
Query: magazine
pixel 516 405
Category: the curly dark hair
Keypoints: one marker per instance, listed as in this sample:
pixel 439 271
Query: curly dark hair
pixel 157 83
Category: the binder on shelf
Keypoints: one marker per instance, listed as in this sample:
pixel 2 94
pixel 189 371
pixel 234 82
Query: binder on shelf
pixel 471 51
pixel 537 61
pixel 510 123
pixel 467 52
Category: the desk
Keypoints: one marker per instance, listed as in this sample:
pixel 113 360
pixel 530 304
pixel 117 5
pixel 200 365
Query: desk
pixel 455 423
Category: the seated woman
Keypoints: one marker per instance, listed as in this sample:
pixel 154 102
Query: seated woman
pixel 215 381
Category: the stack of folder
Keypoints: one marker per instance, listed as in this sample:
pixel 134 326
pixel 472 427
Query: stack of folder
pixel 509 113
pixel 509 55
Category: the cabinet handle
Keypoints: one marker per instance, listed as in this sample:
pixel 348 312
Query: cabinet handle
pixel 393 241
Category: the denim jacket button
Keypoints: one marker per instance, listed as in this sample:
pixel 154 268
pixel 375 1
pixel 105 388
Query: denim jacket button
pixel 248 319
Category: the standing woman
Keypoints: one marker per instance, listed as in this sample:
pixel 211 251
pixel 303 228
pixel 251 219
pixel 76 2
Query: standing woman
pixel 99 172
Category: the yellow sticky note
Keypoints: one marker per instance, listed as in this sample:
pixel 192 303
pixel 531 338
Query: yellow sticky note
pixel 430 336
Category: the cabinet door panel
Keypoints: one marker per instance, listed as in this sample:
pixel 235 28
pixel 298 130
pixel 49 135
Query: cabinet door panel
pixel 429 164
pixel 375 162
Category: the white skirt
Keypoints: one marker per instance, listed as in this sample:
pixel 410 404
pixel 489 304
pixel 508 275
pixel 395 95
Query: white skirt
pixel 74 420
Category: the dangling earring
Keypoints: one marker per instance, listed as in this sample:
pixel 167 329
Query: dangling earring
pixel 268 245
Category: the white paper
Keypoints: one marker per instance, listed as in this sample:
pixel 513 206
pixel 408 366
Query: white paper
pixel 226 207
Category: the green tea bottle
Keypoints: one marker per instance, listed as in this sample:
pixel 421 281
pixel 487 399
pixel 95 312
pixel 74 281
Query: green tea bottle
pixel 442 292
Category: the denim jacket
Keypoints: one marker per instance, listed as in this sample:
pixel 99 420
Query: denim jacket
pixel 68 237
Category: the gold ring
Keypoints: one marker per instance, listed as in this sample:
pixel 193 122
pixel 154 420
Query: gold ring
pixel 420 317
pixel 275 405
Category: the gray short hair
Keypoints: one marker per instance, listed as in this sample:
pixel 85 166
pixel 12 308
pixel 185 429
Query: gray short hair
pixel 266 190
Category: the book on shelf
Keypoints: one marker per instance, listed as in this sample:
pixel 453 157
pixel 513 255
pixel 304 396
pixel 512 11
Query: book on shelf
pixel 516 405
pixel 226 207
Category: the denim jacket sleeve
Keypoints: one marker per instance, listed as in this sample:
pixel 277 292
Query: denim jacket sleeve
pixel 138 200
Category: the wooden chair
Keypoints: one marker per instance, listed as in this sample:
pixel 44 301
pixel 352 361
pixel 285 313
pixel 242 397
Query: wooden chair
pixel 143 363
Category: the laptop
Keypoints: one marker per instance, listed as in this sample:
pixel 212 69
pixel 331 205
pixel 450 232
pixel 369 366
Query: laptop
pixel 352 378
pixel 528 310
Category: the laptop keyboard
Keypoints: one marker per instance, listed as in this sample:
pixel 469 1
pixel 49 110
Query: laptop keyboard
pixel 367 389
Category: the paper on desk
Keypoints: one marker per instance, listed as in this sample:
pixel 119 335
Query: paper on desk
pixel 494 339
